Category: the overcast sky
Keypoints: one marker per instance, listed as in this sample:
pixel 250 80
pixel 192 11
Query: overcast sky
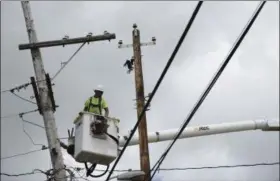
pixel 248 88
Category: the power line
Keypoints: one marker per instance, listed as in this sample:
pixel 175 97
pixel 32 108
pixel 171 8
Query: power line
pixel 34 124
pixel 221 166
pixel 29 122
pixel 18 88
pixel 77 169
pixel 30 138
pixel 202 167
pixel 22 98
pixel 19 114
pixel 68 61
pixel 49 173
pixel 3 91
pixel 26 153
pixel 35 171
pixel 9 116
pixel 157 85
pixel 209 87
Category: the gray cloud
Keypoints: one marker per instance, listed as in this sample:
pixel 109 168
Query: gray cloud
pixel 248 89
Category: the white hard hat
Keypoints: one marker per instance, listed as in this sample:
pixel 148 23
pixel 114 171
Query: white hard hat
pixel 99 88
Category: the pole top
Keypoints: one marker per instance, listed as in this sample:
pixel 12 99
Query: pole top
pixel 134 26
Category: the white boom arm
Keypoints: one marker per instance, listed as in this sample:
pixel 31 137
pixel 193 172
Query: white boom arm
pixel 205 130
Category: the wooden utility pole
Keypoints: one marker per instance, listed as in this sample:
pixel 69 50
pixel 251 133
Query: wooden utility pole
pixel 139 86
pixel 45 102
pixel 140 98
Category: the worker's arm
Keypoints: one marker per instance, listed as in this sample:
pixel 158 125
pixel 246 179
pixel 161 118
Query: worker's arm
pixel 105 107
pixel 86 105
pixel 85 109
pixel 106 112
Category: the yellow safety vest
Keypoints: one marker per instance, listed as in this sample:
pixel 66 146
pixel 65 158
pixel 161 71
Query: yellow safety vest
pixel 95 105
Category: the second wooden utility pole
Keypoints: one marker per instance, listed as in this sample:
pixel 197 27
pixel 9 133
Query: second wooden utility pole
pixel 140 98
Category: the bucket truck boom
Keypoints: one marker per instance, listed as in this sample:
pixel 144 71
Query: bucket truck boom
pixel 205 130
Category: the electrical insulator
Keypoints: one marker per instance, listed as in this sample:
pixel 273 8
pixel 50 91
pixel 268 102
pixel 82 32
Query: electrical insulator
pixel 134 26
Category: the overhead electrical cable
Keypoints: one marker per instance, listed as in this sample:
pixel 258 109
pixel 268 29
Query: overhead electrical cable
pixel 22 154
pixel 77 170
pixel 30 138
pixel 18 88
pixel 22 98
pixel 210 86
pixel 19 114
pixel 68 61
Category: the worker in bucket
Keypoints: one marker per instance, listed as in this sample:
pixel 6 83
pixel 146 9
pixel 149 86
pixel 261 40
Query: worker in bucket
pixel 95 104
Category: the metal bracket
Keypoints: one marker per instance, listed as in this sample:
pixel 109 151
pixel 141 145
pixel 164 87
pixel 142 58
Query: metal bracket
pixel 125 46
pixel 36 94
pixel 148 43
pixel 48 80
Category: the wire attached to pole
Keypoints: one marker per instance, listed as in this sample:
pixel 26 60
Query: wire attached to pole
pixel 22 98
pixel 30 138
pixel 68 61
